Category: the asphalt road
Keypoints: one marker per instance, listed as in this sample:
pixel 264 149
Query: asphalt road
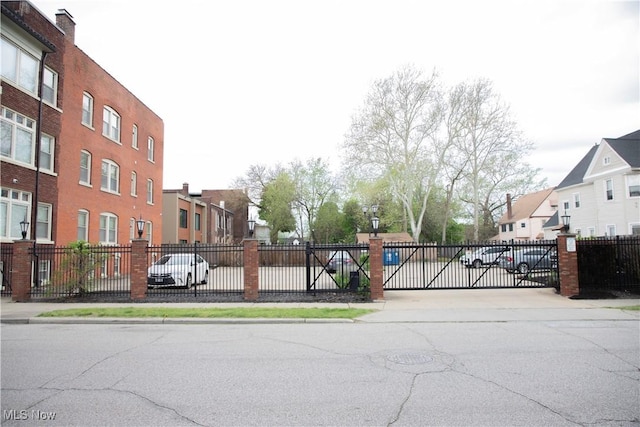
pixel 509 373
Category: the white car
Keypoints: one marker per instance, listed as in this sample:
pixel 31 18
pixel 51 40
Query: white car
pixel 488 255
pixel 178 270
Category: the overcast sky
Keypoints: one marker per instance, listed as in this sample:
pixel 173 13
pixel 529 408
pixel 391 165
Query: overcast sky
pixel 244 82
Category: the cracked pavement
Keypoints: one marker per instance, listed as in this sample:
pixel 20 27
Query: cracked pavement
pixel 558 373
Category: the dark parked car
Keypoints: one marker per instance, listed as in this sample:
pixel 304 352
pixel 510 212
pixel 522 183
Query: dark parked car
pixel 529 259
pixel 340 261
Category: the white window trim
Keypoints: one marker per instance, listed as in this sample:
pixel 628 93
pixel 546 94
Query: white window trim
pixel 107 216
pixel 113 114
pixel 134 137
pixel 576 198
pixel 613 192
pixel 627 182
pixel 52 153
pixel 149 191
pixel 91 110
pixel 47 238
pixel 86 229
pixel 23 198
pixel 90 158
pixel 54 89
pixel 151 146
pixel 108 189
pixel 134 184
pixel 14 123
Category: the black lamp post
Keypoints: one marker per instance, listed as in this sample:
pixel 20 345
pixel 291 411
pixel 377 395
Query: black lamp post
pixel 565 222
pixel 252 225
pixel 375 221
pixel 140 227
pixel 24 228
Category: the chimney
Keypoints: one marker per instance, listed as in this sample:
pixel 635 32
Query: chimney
pixel 185 189
pixel 64 21
pixel 509 210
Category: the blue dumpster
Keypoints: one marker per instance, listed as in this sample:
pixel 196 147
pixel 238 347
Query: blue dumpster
pixel 390 257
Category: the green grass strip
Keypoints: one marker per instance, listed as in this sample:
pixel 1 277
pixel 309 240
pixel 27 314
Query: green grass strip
pixel 629 307
pixel 232 312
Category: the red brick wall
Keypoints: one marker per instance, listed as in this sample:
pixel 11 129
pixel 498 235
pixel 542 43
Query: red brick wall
pixel 84 75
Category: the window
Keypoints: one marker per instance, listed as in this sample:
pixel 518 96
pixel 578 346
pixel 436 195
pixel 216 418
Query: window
pixel 46 153
pixel 635 229
pixel 523 225
pixel 633 185
pixel 592 231
pixel 608 188
pixel 134 137
pixel 511 227
pixel 183 218
pixel 44 272
pixel 576 200
pixel 504 228
pixel 197 222
pixel 133 231
pixel 150 147
pixel 110 177
pixel 85 167
pixel 83 225
pixel 49 86
pixel 606 160
pixel 19 67
pixel 566 206
pixel 611 230
pixel 108 227
pixel 18 137
pixel 14 208
pixel 149 231
pixel 111 124
pixel 43 221
pixel 87 109
pixel 134 184
pixel 150 191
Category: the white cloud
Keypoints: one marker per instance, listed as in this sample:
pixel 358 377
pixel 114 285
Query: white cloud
pixel 249 81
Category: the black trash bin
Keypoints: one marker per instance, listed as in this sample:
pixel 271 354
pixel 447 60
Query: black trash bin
pixel 354 280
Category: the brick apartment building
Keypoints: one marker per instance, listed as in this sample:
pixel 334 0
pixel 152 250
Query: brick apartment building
pixel 212 216
pixel 100 148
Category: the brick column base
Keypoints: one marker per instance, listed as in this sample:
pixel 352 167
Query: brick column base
pixel 251 266
pixel 376 268
pixel 21 270
pixel 568 265
pixel 139 266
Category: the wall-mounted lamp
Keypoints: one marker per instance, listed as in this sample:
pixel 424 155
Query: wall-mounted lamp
pixel 24 228
pixel 252 225
pixel 140 227
pixel 565 222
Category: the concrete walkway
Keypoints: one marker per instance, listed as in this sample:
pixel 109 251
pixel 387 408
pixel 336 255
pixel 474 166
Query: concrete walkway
pixel 477 305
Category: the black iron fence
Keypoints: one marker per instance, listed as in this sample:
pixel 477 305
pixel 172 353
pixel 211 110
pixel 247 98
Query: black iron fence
pixel 471 265
pixel 81 270
pixel 609 264
pixel 195 270
pixel 6 258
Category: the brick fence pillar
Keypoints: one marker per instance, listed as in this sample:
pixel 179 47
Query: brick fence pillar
pixel 376 268
pixel 251 265
pixel 21 270
pixel 139 266
pixel 568 265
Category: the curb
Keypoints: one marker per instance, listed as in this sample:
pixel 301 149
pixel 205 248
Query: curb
pixel 163 321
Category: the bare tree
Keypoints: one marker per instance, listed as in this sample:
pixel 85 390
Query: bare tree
pixel 490 139
pixel 395 135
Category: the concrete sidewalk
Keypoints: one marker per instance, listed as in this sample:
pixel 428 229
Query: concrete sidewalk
pixel 476 305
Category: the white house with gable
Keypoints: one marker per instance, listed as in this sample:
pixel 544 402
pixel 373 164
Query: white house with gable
pixel 602 193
